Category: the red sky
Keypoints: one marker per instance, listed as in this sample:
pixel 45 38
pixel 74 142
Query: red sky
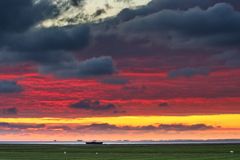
pixel 166 70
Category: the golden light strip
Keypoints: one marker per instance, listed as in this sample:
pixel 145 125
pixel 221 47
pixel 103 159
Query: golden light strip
pixel 224 120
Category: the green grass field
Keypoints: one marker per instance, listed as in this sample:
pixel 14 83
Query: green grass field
pixel 120 152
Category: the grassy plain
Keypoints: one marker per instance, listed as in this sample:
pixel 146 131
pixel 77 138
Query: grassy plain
pixel 120 152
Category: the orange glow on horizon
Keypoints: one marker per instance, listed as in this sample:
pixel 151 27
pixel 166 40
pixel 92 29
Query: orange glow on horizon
pixel 191 135
pixel 223 120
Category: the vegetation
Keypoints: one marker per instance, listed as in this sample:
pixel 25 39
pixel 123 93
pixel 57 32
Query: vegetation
pixel 120 152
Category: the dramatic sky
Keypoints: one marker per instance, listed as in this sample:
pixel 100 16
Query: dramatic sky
pixel 119 69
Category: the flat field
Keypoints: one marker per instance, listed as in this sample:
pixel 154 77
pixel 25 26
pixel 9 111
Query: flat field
pixel 120 152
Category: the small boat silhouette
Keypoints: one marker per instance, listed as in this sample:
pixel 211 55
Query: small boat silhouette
pixel 94 142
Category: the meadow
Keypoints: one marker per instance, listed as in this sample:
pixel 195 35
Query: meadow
pixel 120 152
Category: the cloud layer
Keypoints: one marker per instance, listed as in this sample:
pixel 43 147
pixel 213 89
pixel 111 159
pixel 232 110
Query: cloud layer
pixel 9 87
pixel 88 104
pixel 166 58
pixel 104 127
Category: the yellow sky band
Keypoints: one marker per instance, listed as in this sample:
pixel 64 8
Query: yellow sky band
pixel 223 120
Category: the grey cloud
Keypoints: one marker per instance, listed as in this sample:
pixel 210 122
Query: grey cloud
pixel 21 42
pixel 188 72
pixel 103 126
pixel 91 67
pixel 228 58
pixel 160 127
pixel 187 22
pixel 218 25
pixel 93 105
pixel 50 39
pixel 170 27
pixel 47 47
pixel 17 16
pixel 158 5
pixel 182 127
pixel 40 58
pixel 63 64
pixel 8 111
pixel 155 6
pixel 10 87
pixel 21 126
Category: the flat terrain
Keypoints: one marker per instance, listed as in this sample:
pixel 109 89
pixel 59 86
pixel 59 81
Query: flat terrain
pixel 120 152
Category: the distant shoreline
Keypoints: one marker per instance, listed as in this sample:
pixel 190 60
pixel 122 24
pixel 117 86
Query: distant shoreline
pixel 127 142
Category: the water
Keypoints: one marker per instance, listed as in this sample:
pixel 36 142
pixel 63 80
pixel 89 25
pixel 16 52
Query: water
pixel 126 142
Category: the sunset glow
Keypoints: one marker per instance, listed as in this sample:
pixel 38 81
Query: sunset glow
pixel 119 70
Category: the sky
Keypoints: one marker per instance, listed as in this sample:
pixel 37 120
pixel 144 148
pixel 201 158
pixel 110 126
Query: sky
pixel 119 70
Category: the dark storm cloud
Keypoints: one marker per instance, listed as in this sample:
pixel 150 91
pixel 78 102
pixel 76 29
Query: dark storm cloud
pixel 50 39
pixel 47 47
pixel 146 30
pixel 218 25
pixel 170 27
pixel 40 58
pixel 109 41
pixel 19 35
pixel 91 67
pixel 188 72
pixel 159 5
pixel 93 105
pixel 63 64
pixel 16 16
pixel 9 87
pixel 21 126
